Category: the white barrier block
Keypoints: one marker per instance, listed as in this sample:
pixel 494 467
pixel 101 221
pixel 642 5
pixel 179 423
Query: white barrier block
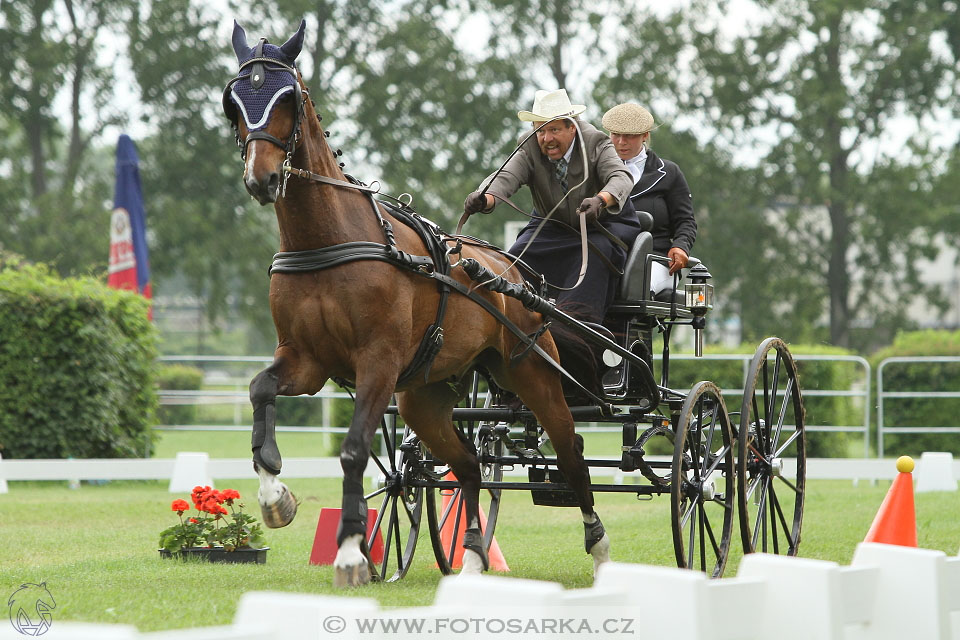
pixel 803 596
pixel 935 472
pixel 858 588
pixel 73 631
pixel 227 632
pixel 190 469
pixel 3 479
pixel 911 599
pixel 297 616
pixel 493 591
pixel 677 603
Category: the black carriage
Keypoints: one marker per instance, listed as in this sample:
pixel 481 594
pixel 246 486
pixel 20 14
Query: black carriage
pixel 741 471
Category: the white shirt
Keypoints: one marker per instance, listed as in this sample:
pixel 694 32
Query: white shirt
pixel 635 164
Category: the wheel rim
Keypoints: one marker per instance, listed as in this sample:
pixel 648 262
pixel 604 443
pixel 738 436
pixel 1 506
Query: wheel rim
pixel 446 510
pixel 400 505
pixel 770 494
pixel 702 482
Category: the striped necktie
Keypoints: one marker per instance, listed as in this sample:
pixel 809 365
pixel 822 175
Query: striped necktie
pixel 560 171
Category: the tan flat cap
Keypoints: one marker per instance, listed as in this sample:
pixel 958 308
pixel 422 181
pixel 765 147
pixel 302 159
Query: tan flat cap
pixel 628 118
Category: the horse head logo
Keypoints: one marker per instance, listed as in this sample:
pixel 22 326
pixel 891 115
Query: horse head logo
pixel 30 607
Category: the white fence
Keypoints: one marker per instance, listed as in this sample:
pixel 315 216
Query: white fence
pixel 217 374
pixel 886 593
pixel 883 395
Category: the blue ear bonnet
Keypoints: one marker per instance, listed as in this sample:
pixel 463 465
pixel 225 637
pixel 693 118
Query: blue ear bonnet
pixel 266 75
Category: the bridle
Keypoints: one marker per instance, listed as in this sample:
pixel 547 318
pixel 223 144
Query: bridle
pixel 232 103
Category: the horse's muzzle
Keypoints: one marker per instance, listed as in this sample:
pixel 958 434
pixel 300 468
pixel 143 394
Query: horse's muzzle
pixel 265 189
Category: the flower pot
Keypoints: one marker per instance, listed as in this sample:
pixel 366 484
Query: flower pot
pixel 219 554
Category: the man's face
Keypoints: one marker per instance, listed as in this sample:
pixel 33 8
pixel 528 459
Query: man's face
pixel 628 145
pixel 556 137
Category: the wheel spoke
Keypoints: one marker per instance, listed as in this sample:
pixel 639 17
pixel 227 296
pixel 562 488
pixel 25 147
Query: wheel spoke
pixel 720 455
pixel 685 518
pixel 788 483
pixel 703 540
pixel 773 394
pixel 376 461
pixel 783 412
pixel 786 443
pixel 452 552
pixel 447 509
pixel 395 519
pixel 761 514
pixel 778 508
pixel 713 539
pixel 376 492
pixel 691 546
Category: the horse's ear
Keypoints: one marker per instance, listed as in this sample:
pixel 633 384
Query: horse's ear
pixel 291 48
pixel 240 46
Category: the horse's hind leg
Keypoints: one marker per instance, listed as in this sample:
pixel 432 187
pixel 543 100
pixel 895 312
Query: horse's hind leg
pixel 429 412
pixel 543 394
pixel 277 504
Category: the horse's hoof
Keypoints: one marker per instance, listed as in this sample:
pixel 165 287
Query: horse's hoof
pixel 280 513
pixel 354 576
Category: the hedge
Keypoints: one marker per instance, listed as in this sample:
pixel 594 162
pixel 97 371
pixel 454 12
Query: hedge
pixel 927 376
pixel 820 410
pixel 76 367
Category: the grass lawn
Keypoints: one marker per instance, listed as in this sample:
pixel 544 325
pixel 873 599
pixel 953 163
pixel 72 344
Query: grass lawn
pixel 96 547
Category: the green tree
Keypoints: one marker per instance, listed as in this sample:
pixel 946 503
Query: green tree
pixel 819 88
pixel 204 226
pixel 52 51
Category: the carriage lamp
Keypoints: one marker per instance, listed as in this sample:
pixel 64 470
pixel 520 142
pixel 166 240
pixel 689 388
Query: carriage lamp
pixel 699 299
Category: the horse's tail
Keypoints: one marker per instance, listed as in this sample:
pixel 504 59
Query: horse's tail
pixel 576 356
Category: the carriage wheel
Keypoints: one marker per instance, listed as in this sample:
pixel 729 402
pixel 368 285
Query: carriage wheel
pixel 446 511
pixel 770 496
pixel 401 505
pixel 702 482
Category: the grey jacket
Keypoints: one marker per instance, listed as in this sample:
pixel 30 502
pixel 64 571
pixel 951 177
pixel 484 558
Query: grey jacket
pixel 530 167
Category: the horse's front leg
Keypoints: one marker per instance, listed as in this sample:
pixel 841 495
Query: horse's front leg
pixel 352 566
pixel 277 504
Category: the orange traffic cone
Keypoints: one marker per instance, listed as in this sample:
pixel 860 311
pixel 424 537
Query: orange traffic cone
pixel 324 549
pixel 896 521
pixel 497 561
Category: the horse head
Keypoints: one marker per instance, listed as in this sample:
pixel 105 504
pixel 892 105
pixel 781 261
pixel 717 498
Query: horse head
pixel 265 103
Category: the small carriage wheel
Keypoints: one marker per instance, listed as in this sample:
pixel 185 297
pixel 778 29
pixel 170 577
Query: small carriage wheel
pixel 702 482
pixel 770 494
pixel 401 507
pixel 446 512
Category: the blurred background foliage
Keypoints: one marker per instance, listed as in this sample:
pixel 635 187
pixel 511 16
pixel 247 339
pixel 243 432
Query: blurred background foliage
pixel 818 136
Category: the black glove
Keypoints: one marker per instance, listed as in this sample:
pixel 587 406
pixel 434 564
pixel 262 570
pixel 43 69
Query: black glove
pixel 592 207
pixel 475 202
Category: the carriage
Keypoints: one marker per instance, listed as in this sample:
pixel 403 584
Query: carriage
pixel 368 293
pixel 724 489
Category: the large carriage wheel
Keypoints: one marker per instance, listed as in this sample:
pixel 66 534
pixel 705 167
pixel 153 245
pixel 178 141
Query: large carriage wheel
pixel 401 505
pixel 446 510
pixel 769 494
pixel 702 482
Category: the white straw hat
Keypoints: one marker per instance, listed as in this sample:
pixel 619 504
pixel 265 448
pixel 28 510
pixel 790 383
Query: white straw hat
pixel 628 118
pixel 550 105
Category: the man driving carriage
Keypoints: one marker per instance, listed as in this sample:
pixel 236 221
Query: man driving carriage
pixel 551 164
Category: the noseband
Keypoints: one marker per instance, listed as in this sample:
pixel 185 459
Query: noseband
pixel 249 104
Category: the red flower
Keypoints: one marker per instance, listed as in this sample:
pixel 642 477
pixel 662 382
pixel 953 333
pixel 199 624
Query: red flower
pixel 180 506
pixel 194 520
pixel 230 494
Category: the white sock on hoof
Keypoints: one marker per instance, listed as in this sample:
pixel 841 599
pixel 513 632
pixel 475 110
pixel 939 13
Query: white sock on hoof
pixel 472 563
pixel 349 554
pixel 601 553
pixel 270 488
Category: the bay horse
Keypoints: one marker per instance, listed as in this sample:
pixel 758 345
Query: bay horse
pixel 366 320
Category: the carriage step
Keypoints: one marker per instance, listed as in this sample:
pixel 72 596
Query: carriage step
pixel 562 496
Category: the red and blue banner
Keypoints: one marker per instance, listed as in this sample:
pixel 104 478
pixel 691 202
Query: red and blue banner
pixel 129 261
